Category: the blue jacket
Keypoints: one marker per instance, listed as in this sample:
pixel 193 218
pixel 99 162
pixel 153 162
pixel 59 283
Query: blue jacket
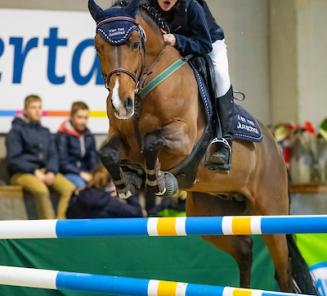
pixel 30 146
pixel 188 24
pixel 216 32
pixel 96 203
pixel 77 152
pixel 193 25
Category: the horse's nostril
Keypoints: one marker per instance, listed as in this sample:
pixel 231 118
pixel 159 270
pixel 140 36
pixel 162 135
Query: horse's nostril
pixel 128 104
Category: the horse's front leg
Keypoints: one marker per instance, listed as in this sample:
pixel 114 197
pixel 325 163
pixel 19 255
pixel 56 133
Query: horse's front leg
pixel 110 157
pixel 155 183
pixel 175 137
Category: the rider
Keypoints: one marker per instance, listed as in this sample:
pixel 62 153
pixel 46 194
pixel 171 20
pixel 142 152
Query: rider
pixel 195 31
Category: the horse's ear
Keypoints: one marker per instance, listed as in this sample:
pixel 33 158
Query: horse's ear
pixel 95 10
pixel 133 7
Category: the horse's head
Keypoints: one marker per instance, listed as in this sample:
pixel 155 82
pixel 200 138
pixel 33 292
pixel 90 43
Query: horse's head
pixel 119 42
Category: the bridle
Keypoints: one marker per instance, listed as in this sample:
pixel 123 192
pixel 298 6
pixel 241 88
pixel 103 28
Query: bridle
pixel 135 76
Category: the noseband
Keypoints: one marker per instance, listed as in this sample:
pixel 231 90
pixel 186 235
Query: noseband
pixel 116 31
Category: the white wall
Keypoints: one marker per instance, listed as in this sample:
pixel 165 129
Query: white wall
pixel 283 61
pixel 312 59
pixel 298 46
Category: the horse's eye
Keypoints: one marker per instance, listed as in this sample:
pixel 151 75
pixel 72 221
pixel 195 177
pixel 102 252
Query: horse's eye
pixel 136 45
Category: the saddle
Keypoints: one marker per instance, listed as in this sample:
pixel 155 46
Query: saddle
pixel 203 64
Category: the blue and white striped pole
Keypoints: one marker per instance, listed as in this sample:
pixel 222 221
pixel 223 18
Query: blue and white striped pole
pixel 104 284
pixel 163 226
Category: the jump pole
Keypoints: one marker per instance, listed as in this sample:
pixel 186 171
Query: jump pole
pixel 181 226
pixel 104 284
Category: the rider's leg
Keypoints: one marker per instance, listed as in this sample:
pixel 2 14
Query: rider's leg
pixel 224 103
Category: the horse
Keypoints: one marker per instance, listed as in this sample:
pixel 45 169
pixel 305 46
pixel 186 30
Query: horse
pixel 160 131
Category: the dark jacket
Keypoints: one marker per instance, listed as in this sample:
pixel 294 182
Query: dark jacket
pixel 188 23
pixel 30 146
pixel 216 31
pixel 193 26
pixel 77 152
pixel 96 203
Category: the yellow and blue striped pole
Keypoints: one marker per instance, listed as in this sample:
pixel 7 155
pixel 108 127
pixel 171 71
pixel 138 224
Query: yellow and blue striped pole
pixel 104 284
pixel 181 226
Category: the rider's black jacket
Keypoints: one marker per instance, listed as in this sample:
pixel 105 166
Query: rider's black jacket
pixel 193 25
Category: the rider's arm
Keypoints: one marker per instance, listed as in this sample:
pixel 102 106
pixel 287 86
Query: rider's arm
pixel 200 42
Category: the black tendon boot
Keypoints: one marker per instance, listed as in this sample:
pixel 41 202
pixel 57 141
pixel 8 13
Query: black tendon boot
pixel 221 148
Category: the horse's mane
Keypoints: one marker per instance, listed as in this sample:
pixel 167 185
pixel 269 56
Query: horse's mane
pixel 147 10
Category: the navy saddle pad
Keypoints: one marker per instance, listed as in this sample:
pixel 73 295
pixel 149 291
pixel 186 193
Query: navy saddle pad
pixel 246 127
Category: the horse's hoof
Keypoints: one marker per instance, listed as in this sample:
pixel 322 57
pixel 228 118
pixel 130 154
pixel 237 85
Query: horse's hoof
pixel 171 184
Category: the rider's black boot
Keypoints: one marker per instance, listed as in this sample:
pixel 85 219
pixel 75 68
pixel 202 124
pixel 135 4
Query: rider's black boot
pixel 221 148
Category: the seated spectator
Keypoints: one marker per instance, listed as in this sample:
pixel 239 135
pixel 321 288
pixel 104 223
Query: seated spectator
pixel 33 161
pixel 76 146
pixel 99 200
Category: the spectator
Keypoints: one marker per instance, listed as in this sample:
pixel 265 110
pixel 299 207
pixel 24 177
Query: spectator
pixel 33 161
pixel 99 200
pixel 76 146
pixel 173 206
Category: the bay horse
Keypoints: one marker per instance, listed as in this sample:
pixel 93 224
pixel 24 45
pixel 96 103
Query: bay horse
pixel 161 133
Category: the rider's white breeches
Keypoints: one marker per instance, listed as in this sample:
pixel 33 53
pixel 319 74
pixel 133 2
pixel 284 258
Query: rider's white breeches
pixel 219 58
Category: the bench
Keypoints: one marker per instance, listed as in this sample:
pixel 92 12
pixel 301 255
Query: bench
pixel 12 206
pixel 308 188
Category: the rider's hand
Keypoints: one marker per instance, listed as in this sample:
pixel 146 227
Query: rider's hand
pixel 169 39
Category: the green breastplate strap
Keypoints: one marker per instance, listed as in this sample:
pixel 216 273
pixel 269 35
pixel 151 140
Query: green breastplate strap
pixel 161 77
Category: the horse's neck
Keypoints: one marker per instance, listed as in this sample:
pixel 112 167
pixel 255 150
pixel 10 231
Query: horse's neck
pixel 154 44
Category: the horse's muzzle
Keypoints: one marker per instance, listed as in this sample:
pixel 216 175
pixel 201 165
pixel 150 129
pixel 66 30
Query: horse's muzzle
pixel 129 105
pixel 126 111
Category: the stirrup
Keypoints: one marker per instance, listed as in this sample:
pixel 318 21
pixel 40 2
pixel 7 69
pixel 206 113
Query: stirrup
pixel 222 141
pixel 224 167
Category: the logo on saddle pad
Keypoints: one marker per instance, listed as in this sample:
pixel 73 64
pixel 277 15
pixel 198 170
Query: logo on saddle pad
pixel 246 127
pixel 246 124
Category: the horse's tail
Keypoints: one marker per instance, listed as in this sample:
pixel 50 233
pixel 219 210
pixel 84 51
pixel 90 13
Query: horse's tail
pixel 300 273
